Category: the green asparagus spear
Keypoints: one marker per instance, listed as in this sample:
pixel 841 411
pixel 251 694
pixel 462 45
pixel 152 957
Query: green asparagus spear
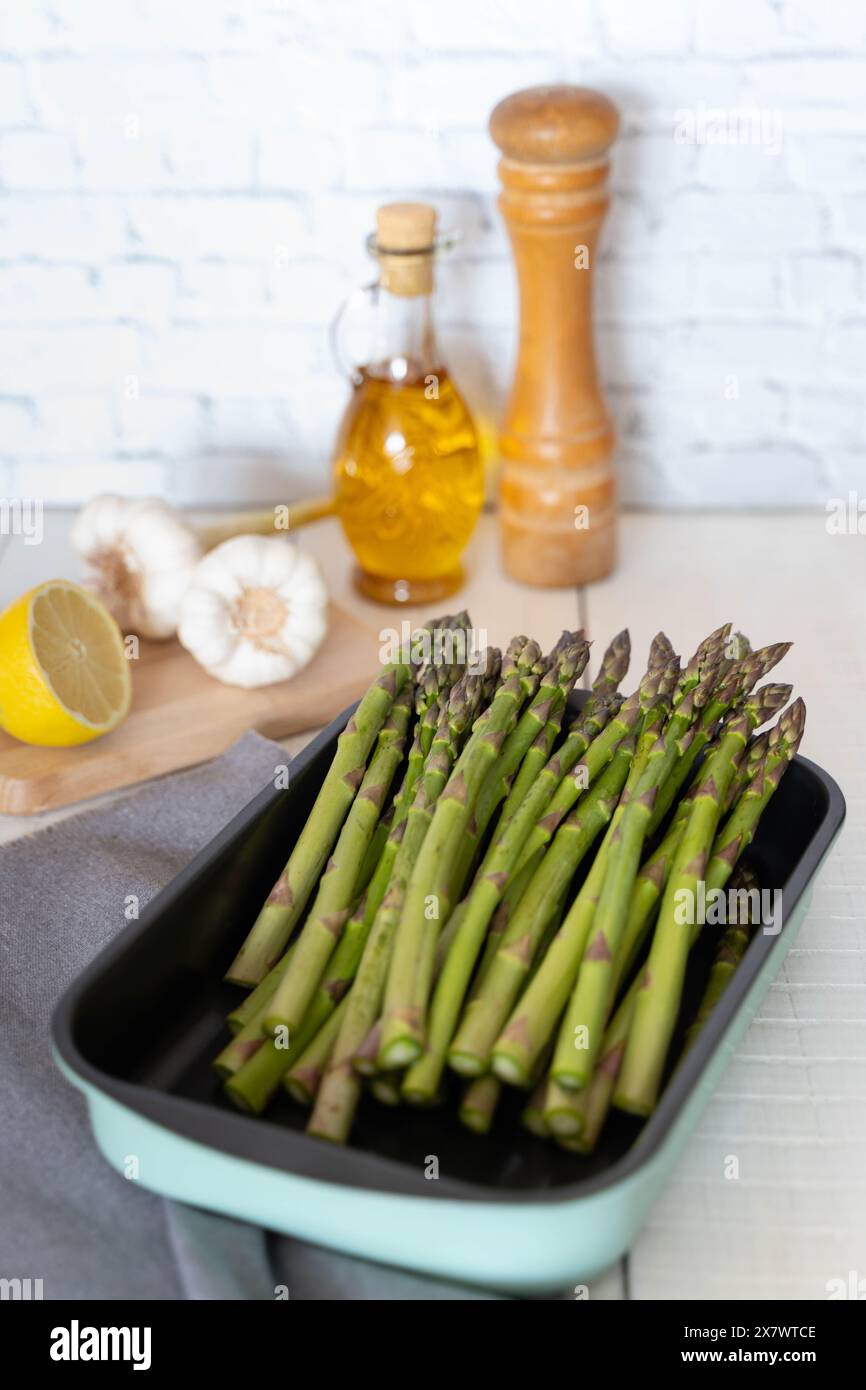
pixel 583 1029
pixel 331 909
pixel 290 894
pixel 479 1102
pixel 659 998
pixel 303 1078
pixel 426 905
pixel 487 1011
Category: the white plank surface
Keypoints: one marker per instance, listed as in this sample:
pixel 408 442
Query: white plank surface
pixel 792 1106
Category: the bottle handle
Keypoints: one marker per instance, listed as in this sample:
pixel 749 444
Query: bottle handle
pixel 344 364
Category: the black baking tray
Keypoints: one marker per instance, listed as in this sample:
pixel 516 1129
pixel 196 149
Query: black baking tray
pixel 143 1022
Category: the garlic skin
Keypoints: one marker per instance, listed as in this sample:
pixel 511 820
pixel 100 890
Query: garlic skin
pixel 141 556
pixel 255 611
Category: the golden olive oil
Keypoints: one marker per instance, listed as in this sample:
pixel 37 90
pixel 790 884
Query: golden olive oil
pixel 409 484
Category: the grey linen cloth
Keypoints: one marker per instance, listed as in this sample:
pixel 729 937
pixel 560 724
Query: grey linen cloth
pixel 65 1216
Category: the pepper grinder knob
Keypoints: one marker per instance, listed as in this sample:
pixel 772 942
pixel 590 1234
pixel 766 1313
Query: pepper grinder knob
pixel 557 491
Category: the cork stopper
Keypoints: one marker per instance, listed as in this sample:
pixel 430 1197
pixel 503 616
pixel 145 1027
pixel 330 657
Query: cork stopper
pixel 405 240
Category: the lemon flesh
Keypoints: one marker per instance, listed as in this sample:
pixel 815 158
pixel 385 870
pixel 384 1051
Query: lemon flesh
pixel 64 676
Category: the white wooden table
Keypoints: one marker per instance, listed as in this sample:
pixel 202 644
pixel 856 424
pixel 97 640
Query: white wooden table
pixel 792 1106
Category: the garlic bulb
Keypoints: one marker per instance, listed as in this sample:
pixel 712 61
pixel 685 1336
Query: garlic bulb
pixel 255 611
pixel 141 555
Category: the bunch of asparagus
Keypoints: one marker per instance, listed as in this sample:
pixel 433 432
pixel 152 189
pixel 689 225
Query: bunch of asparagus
pixel 428 921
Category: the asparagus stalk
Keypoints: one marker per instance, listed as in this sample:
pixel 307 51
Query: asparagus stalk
pixel 534 1019
pixel 540 763
pixel 585 729
pixel 532 1115
pixel 491 882
pixel 556 682
pixel 385 1087
pixel 587 748
pixel 531 1024
pixel 291 892
pixel 659 999
pixel 337 980
pixel 594 1101
pixel 592 1104
pixel 661 652
pixel 651 880
pixel 740 678
pixel 243 1045
pixel 344 963
pixel 651 697
pixel 562 1110
pixel 251 1005
pixel 648 888
pixel 255 1082
pixel 583 1028
pixel 421 743
pixel 340 1089
pixel 304 1076
pixel 249 1037
pixel 766 762
pixel 331 910
pixel 434 682
pixel 514 890
pixel 599 708
pixel 730 952
pixel 253 1085
pixel 614 664
pixel 528 742
pixel 479 1102
pixel 426 905
pixel 470 1051
pixel 481 1095
pixel 364 1058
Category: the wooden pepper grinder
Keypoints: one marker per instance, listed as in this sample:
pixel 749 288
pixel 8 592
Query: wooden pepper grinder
pixel 557 492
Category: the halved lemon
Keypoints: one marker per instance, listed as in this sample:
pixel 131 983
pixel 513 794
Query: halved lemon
pixel 64 677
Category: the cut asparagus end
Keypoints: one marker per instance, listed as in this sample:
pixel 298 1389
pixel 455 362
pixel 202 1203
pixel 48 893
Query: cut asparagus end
pixel 402 1052
pixel 421 1100
pixel 563 1123
pixel 568 1080
pixel 476 1120
pixel 384 1089
pixel 466 1064
pixel 416 1095
pixel 510 1070
pixel 248 975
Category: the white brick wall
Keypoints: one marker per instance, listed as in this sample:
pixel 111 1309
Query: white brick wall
pixel 185 189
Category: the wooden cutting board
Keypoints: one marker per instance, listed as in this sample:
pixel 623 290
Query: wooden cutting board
pixel 181 716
